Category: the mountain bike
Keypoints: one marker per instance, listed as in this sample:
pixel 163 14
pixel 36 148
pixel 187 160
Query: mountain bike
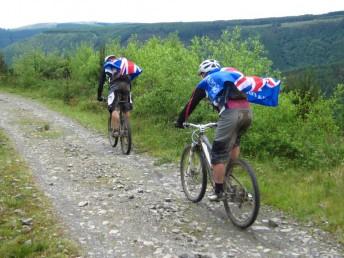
pixel 241 192
pixel 124 133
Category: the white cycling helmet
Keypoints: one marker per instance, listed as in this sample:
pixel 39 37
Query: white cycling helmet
pixel 108 57
pixel 208 65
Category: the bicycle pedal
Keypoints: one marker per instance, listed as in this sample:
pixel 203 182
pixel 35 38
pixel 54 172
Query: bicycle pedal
pixel 214 197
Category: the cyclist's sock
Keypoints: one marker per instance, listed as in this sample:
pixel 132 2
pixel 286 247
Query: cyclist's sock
pixel 218 188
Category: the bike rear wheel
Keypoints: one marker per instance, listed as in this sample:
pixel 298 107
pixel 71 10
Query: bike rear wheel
pixel 193 173
pixel 112 139
pixel 242 194
pixel 125 134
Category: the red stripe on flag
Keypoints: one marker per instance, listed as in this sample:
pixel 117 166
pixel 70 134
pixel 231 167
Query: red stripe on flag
pixel 259 83
pixel 240 81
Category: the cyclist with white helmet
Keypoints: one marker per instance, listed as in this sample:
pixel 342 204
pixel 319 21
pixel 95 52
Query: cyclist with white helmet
pixel 119 72
pixel 234 116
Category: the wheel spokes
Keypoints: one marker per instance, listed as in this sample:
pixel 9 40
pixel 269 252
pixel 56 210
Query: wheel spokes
pixel 241 203
pixel 192 175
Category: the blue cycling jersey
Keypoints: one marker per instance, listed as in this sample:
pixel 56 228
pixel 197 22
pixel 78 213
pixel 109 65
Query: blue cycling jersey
pixel 214 82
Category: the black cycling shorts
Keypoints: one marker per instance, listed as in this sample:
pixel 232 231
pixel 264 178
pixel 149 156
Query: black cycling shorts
pixel 120 97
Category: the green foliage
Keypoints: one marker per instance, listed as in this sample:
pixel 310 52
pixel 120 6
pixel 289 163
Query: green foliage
pixel 324 77
pixel 338 106
pixel 311 141
pixel 307 89
pixel 35 67
pixel 304 129
pixel 305 83
pixel 26 69
pixel 168 71
pixel 54 67
pixel 231 50
pixel 84 65
pixel 3 66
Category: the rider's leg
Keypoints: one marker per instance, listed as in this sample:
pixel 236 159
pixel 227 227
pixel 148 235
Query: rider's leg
pixel 219 173
pixel 127 107
pixel 127 114
pixel 115 120
pixel 113 109
pixel 219 177
pixel 245 122
pixel 223 143
pixel 219 154
pixel 219 170
pixel 235 152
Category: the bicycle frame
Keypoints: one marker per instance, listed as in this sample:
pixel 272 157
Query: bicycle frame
pixel 199 138
pixel 206 147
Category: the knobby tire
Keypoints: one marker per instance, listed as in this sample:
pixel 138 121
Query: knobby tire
pixel 255 195
pixel 125 134
pixel 113 140
pixel 197 174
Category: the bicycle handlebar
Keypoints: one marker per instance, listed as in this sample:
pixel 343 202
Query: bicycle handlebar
pixel 200 126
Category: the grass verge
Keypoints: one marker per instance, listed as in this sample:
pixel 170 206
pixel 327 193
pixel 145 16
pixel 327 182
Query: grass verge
pixel 28 227
pixel 311 196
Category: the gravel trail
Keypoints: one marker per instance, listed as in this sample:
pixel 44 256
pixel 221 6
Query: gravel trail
pixel 125 206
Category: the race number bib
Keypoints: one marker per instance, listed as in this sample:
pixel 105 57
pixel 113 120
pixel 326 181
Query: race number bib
pixel 111 98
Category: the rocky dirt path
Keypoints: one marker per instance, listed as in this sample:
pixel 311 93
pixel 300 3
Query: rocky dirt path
pixel 125 206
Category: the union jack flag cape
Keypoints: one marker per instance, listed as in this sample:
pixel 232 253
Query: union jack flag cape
pixel 124 67
pixel 263 91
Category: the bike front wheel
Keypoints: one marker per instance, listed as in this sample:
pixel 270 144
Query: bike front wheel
pixel 125 134
pixel 112 139
pixel 242 200
pixel 193 173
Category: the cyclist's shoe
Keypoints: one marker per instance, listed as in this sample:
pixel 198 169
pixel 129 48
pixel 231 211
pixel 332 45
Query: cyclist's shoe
pixel 216 197
pixel 115 133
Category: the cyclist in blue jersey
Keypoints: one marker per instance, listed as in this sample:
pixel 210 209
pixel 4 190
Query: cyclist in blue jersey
pixel 235 116
pixel 119 72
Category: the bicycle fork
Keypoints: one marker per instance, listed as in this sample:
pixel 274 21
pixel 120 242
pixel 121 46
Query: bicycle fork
pixel 190 168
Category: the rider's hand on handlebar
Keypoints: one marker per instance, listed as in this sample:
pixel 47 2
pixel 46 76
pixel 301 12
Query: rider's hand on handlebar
pixel 101 99
pixel 177 124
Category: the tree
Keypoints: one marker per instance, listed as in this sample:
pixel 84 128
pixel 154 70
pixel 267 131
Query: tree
pixel 307 90
pixel 3 66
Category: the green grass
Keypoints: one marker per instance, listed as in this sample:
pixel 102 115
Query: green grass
pixel 308 195
pixel 20 200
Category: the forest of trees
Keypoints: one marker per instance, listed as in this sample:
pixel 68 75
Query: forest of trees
pixel 295 45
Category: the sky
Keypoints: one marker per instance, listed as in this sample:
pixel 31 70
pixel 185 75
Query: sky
pixel 18 13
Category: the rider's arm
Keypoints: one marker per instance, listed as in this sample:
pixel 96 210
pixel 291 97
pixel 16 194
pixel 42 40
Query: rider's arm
pixel 102 79
pixel 196 97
